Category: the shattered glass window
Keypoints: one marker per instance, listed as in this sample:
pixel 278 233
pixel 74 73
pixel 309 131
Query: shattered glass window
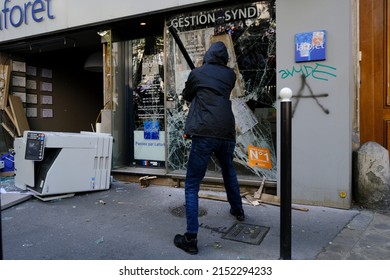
pixel 248 31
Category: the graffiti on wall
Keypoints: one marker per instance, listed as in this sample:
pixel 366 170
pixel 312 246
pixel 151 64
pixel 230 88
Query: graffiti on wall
pixel 317 71
pixel 300 95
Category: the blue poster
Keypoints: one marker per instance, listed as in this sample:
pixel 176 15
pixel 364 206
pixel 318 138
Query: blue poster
pixel 152 130
pixel 310 46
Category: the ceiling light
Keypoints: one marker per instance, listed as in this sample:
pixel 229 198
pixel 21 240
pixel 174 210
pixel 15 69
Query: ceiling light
pixel 94 62
pixel 102 33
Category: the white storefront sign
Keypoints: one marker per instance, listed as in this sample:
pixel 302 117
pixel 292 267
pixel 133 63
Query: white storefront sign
pixel 24 18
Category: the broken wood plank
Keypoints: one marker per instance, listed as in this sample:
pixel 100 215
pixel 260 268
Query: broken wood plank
pixel 145 180
pixel 275 200
pixel 292 206
pixel 270 198
pixel 244 194
pixel 5 72
pixel 260 190
pixel 214 197
pixel 9 130
pixel 238 89
pixel 252 200
pixel 10 115
pixel 19 114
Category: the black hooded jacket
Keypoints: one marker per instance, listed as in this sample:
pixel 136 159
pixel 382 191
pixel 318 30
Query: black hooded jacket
pixel 208 88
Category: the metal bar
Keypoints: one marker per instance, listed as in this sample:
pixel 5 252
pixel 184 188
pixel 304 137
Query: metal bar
pixel 183 50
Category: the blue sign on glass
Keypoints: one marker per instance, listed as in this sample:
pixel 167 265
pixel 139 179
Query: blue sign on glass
pixel 152 130
pixel 310 46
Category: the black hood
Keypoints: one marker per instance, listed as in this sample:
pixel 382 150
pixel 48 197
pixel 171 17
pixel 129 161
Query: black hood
pixel 217 54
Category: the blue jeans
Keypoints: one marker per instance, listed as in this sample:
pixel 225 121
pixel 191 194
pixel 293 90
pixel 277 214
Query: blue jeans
pixel 202 149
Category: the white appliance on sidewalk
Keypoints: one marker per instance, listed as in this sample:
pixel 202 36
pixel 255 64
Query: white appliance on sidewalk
pixel 52 163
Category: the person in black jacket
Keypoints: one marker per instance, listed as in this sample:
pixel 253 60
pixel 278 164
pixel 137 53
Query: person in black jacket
pixel 211 127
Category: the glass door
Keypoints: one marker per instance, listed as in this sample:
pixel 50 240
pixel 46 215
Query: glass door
pixel 148 102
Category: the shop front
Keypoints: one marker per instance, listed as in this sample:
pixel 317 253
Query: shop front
pixel 143 72
pixel 159 72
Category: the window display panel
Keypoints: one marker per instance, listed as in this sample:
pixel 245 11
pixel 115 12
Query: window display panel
pixel 248 31
pixel 148 102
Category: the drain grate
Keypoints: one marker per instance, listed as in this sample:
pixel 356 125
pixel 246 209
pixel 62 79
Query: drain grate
pixel 247 233
pixel 180 211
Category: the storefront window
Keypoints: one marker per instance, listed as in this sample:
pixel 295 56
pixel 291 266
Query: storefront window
pixel 248 31
pixel 148 101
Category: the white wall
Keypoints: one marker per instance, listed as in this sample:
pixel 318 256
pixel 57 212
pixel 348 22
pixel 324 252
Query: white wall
pixel 322 143
pixel 63 14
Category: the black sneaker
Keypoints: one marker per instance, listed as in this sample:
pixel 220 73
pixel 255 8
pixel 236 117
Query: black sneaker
pixel 189 246
pixel 239 214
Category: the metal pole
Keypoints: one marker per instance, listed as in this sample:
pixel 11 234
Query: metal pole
pixel 179 43
pixel 285 174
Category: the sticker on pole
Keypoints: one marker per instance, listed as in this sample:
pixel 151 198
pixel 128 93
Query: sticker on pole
pixel 259 157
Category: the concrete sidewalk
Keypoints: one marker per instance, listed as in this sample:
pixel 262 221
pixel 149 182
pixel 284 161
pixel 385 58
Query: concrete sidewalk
pixel 128 222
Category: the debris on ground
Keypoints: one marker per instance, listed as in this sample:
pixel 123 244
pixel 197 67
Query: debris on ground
pixel 145 180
